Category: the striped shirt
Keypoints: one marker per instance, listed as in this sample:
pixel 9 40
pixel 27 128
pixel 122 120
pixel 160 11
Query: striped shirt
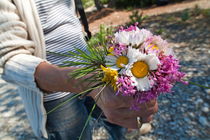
pixel 62 31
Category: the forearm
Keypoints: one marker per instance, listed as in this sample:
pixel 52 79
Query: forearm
pixel 52 78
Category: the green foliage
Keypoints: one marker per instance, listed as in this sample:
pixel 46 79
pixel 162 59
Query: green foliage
pixel 100 38
pixel 185 15
pixel 196 11
pixel 104 1
pixel 171 18
pixel 137 16
pixel 205 12
pixel 91 59
pixel 87 3
pixel 159 31
pixel 130 8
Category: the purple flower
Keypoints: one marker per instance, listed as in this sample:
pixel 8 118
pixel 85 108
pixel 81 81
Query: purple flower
pixel 119 49
pixel 125 86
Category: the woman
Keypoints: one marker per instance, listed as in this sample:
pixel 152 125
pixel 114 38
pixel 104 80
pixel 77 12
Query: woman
pixel 29 28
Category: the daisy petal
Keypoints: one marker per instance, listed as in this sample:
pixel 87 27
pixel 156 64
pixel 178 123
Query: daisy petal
pixel 114 68
pixel 152 61
pixel 143 84
pixel 110 58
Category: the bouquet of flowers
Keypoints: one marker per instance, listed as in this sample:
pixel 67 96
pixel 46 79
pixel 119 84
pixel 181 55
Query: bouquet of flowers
pixel 132 60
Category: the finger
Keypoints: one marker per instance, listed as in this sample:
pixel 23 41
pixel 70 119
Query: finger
pixel 121 114
pixel 148 104
pixel 126 113
pixel 125 102
pixel 149 110
pixel 122 101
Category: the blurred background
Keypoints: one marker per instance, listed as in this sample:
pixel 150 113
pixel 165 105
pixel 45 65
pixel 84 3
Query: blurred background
pixel 185 24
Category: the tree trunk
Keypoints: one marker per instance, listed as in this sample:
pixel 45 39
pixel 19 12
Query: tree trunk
pixel 98 5
pixel 112 3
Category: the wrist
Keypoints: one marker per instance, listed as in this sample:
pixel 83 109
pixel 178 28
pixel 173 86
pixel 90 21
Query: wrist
pixel 69 83
pixel 47 77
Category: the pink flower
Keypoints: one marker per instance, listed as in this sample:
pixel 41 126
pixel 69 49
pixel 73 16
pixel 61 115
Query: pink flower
pixel 130 28
pixel 119 49
pixel 155 44
pixel 125 86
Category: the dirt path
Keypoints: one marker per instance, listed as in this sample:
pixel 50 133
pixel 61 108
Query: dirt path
pixel 121 17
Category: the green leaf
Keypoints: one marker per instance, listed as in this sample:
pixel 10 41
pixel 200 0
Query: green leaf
pixel 73 63
pixel 58 54
pixel 79 56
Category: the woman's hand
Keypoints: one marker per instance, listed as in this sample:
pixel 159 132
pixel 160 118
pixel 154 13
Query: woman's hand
pixel 117 108
pixel 51 78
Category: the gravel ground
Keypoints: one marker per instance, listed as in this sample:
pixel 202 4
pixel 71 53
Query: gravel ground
pixel 183 115
pixel 13 121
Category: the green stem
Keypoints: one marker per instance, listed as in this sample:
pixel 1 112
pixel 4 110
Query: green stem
pixel 90 114
pixel 68 100
pixel 88 119
pixel 192 83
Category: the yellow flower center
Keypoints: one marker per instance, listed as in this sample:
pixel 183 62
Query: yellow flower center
pixel 121 61
pixel 140 69
pixel 154 46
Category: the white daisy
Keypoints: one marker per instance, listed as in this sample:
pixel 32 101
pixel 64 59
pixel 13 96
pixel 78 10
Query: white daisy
pixel 139 66
pixel 134 37
pixel 157 44
pixel 116 62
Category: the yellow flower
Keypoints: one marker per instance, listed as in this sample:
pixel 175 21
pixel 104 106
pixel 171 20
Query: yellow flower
pixel 110 50
pixel 110 76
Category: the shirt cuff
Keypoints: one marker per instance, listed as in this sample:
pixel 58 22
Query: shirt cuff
pixel 20 69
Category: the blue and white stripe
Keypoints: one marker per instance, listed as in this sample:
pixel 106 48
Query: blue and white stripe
pixel 62 31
